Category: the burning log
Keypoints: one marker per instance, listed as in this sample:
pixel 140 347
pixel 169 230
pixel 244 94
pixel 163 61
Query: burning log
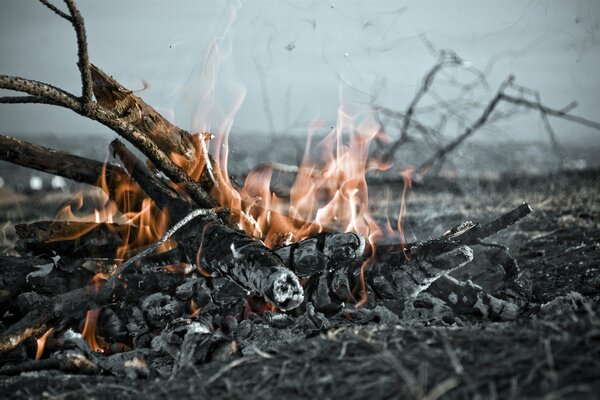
pixel 396 277
pixel 163 196
pixel 322 253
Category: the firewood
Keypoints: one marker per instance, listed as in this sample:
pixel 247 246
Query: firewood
pixel 466 298
pixel 77 239
pixel 322 252
pixel 79 169
pixel 163 196
pixel 248 263
pixel 111 95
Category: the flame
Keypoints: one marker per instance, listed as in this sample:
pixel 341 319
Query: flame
pixel 140 222
pixel 89 329
pixel 41 343
pixel 330 191
pixel 194 309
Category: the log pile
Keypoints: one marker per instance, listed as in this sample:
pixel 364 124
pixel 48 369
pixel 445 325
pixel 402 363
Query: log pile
pixel 69 297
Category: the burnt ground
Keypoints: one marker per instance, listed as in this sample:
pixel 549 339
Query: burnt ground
pixel 551 351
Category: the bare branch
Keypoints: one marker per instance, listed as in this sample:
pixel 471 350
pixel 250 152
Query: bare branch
pixel 82 54
pixel 446 58
pixel 26 100
pixel 39 89
pixel 471 129
pixel 564 113
pixel 123 128
pixel 56 10
pixel 519 101
pixel 79 169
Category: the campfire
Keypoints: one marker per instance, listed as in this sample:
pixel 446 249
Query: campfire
pixel 171 263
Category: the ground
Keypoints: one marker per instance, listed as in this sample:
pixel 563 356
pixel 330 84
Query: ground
pixel 551 351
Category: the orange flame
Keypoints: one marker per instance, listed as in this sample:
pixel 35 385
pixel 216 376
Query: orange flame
pixel 41 343
pixel 89 329
pixel 140 224
pixel 194 310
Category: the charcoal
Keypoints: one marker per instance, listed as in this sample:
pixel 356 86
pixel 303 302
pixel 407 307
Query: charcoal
pixel 136 323
pixel 311 321
pixel 161 308
pixel 466 298
pixel 172 336
pixel 111 326
pixel 323 252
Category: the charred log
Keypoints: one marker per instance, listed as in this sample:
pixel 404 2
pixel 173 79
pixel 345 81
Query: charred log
pixel 323 252
pixel 77 239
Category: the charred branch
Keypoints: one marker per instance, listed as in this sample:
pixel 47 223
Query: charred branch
pixel 163 196
pixel 81 239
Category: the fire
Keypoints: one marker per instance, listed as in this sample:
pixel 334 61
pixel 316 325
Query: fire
pixel 89 329
pixel 41 343
pixel 139 224
pixel 330 191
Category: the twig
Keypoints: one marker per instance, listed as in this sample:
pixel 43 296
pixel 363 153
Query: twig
pixel 82 54
pixel 107 118
pixel 426 166
pixel 39 90
pixel 446 58
pixel 56 10
pixel 26 100
pixel 564 113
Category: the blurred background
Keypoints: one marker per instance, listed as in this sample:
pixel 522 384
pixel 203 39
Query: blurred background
pixel 285 63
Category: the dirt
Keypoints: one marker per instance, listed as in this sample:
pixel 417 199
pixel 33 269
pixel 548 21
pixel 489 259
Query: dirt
pixel 551 351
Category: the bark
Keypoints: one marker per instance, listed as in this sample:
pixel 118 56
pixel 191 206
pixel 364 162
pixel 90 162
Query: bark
pixel 79 169
pixel 111 95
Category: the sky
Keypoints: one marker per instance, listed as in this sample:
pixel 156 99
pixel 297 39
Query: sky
pixel 277 65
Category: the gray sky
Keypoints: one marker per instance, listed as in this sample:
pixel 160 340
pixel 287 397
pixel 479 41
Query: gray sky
pixel 292 55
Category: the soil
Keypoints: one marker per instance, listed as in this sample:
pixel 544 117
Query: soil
pixel 551 351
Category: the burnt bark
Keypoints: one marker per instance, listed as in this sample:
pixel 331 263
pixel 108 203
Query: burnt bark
pixel 76 239
pixel 165 197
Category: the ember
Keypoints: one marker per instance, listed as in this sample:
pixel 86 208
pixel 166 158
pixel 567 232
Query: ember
pixel 170 265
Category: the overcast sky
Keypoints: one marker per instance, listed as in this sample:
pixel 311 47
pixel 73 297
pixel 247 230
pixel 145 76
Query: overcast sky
pixel 287 58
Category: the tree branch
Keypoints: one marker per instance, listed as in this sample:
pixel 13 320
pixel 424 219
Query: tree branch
pixel 82 54
pixel 39 89
pixel 26 100
pixel 124 129
pixel 56 10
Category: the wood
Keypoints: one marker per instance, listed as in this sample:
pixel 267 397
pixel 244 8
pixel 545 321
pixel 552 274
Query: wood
pixel 245 261
pixel 163 196
pixel 75 239
pixel 128 107
pixel 79 169
pixel 323 252
pixel 479 232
